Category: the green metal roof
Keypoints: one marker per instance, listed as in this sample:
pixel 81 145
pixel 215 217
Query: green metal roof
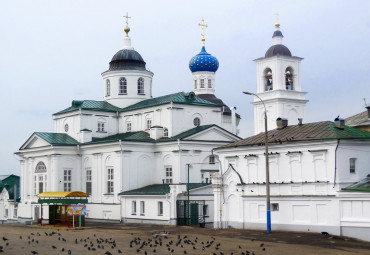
pixel 139 136
pixel 158 189
pixel 90 105
pixel 177 98
pixel 9 183
pixel 186 133
pixel 362 186
pixel 57 139
pixel 318 131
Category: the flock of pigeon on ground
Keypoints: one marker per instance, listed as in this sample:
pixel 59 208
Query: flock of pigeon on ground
pixel 157 244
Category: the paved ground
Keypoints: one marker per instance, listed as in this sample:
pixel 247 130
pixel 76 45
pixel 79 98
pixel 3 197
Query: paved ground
pixel 113 238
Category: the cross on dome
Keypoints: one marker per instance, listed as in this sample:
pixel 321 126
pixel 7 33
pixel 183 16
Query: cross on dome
pixel 127 28
pixel 203 25
pixel 277 23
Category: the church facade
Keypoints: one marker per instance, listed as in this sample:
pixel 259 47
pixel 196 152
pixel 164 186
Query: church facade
pixel 318 172
pixel 122 150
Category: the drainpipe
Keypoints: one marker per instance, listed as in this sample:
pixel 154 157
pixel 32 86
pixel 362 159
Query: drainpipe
pixel 179 163
pixel 79 154
pixel 121 172
pixel 335 168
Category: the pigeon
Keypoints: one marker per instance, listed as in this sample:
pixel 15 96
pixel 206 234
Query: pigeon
pixel 34 252
pixel 69 251
pixel 54 247
pixel 5 239
pixel 262 244
pixel 119 251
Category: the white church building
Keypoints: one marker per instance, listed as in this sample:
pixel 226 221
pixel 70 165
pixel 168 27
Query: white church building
pixel 132 153
pixel 319 172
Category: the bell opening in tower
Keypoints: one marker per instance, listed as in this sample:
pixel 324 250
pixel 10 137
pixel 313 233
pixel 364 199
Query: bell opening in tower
pixel 268 79
pixel 289 79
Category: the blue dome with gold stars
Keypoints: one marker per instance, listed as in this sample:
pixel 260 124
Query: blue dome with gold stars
pixel 203 62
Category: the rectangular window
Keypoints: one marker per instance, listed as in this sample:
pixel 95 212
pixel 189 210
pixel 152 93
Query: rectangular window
pixel 67 180
pixel 15 212
pixel 275 207
pixel 205 210
pixel 41 183
pixel 6 213
pixel 352 165
pixel 142 208
pixel 160 208
pixel 148 124
pixel 88 181
pixel 202 83
pixel 101 126
pixel 128 127
pixel 195 84
pixel 110 180
pixel 168 174
pixel 133 208
pixel 209 83
pixel 212 159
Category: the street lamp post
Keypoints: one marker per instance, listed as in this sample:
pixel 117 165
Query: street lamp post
pixel 268 212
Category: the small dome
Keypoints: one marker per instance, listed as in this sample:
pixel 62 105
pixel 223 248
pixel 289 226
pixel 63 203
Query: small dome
pixel 278 49
pixel 127 59
pixel 203 62
pixel 277 33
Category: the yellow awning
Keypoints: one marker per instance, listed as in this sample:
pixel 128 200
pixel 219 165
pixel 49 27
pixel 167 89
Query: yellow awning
pixel 63 194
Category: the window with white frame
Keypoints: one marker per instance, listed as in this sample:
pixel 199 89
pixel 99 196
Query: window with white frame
pixel 128 127
pixel 212 159
pixel 209 83
pixel 165 132
pixel 160 208
pixel 110 180
pixel 148 123
pixel 40 167
pixel 101 126
pixel 201 83
pixel 6 213
pixel 88 181
pixel 122 86
pixel 195 84
pixel 107 88
pixel 41 183
pixel 196 121
pixel 168 174
pixel 142 207
pixel 67 180
pixel 352 165
pixel 133 207
pixel 205 210
pixel 15 212
pixel 140 86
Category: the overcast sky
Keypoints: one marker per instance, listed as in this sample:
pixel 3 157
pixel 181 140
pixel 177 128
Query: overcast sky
pixel 52 52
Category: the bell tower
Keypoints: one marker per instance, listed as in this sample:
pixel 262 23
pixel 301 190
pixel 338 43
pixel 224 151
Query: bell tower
pixel 278 85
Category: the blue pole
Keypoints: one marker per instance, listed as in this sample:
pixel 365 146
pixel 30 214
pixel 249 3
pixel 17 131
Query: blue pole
pixel 268 215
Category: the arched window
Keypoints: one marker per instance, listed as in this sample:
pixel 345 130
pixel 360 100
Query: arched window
pixel 40 167
pixel 122 86
pixel 140 86
pixel 209 83
pixel 289 80
pixel 196 121
pixel 165 132
pixel 108 88
pixel 268 79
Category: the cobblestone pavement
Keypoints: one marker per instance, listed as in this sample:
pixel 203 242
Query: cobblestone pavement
pixel 113 238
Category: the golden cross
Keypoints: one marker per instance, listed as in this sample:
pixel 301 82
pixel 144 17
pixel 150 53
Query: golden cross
pixel 127 17
pixel 203 25
pixel 277 23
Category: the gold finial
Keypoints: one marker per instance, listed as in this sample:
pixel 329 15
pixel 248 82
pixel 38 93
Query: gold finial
pixel 203 25
pixel 127 28
pixel 277 23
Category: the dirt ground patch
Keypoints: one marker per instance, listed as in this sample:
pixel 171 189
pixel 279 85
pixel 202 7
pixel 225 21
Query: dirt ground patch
pixel 115 238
